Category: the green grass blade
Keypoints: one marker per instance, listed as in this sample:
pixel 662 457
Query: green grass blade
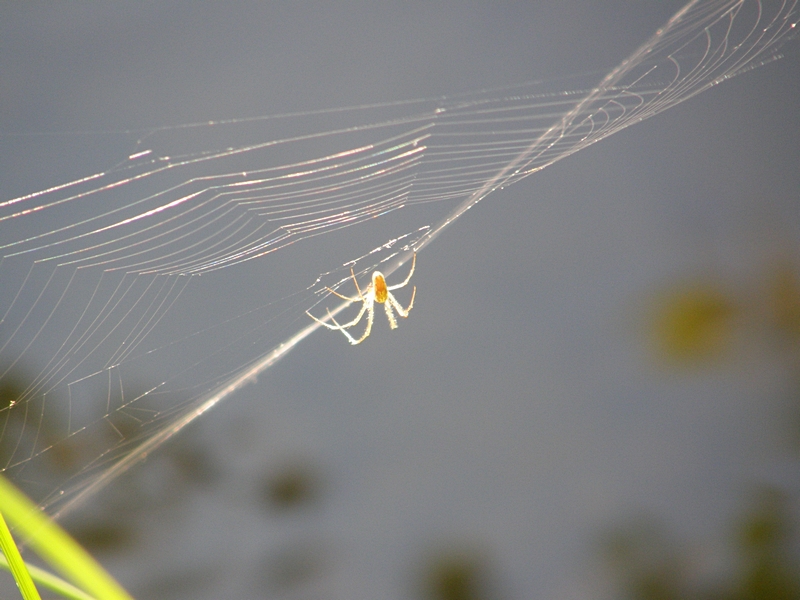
pixel 45 579
pixel 15 563
pixel 56 547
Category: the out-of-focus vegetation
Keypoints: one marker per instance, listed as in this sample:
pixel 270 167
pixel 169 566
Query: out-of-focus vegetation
pixel 292 486
pixel 458 571
pixel 30 426
pixel 770 567
pixel 706 321
pixel 694 322
pixel 646 564
pixel 698 320
pixel 692 325
pixel 289 490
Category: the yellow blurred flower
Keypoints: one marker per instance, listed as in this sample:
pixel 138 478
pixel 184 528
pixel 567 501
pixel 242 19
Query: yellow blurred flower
pixel 693 323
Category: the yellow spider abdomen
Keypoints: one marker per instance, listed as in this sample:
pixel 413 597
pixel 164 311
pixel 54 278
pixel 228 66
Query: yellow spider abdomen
pixel 379 282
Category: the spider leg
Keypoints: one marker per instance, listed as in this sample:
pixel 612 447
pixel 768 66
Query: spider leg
pixel 353 275
pixel 340 327
pixel 323 323
pixel 343 297
pixel 337 326
pixel 410 273
pixel 370 308
pixel 389 314
pixel 402 311
pixel 335 293
pixel 364 307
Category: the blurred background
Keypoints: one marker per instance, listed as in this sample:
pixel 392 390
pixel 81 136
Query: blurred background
pixel 597 393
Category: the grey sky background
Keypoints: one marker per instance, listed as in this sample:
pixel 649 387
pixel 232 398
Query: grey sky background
pixel 517 410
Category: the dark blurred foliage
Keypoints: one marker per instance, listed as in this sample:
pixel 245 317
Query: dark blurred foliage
pixel 181 583
pixel 646 565
pixel 457 571
pixel 29 427
pixel 182 466
pixel 288 490
pixel 768 544
pixel 104 536
pixel 36 427
pixel 293 485
pixel 691 325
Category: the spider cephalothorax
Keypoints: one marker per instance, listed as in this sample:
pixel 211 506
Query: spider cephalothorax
pixel 377 291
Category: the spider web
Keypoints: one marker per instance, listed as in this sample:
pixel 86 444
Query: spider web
pixel 108 280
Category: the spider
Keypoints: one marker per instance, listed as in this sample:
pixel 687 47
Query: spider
pixel 377 291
